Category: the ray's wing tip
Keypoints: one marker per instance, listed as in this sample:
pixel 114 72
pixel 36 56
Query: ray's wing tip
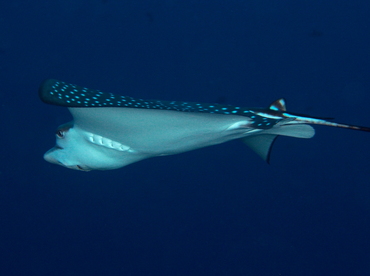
pixel 44 88
pixel 44 91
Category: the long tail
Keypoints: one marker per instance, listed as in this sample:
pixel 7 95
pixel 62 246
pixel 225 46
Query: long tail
pixel 298 119
pixel 277 110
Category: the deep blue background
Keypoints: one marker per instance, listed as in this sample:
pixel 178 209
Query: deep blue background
pixel 214 211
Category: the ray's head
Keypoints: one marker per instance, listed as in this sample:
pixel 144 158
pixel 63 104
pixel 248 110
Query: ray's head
pixel 63 153
pixel 74 151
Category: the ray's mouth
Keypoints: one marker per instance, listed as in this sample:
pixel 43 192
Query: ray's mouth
pixel 82 169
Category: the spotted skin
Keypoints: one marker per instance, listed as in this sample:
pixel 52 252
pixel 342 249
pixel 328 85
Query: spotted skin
pixel 64 94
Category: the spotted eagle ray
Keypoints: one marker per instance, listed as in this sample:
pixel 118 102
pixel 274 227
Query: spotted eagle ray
pixel 110 131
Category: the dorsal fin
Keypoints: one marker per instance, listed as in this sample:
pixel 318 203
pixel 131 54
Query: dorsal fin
pixel 278 105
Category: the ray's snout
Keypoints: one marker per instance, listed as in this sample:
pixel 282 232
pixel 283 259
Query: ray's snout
pixel 49 156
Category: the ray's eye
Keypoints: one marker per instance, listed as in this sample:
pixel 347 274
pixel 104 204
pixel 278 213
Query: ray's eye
pixel 60 134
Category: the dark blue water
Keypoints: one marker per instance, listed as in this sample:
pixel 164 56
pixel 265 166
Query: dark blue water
pixel 215 211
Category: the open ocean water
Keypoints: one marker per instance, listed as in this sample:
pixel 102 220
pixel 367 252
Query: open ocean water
pixel 215 211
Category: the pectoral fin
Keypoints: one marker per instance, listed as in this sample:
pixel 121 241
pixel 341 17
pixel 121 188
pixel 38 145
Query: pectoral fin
pixel 261 144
